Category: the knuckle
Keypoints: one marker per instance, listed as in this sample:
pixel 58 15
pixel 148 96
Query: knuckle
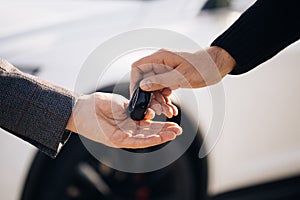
pixel 135 64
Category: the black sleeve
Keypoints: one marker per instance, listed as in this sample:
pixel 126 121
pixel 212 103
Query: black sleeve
pixel 262 31
pixel 33 109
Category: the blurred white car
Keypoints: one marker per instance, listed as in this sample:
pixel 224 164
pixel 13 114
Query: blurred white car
pixel 257 156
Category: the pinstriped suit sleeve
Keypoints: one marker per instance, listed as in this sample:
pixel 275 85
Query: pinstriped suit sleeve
pixel 33 109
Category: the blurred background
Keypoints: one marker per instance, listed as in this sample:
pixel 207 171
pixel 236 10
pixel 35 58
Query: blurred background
pixel 257 154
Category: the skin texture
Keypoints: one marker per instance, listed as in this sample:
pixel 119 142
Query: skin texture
pixel 164 71
pixel 102 117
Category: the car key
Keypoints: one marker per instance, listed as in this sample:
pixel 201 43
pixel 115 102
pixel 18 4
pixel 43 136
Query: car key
pixel 138 103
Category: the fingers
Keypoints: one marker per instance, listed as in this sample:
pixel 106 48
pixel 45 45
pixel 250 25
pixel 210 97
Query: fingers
pixel 162 106
pixel 140 72
pixel 135 76
pixel 156 57
pixel 174 109
pixel 173 70
pixel 151 134
pixel 150 114
pixel 161 103
pixel 159 62
pixel 150 128
pixel 167 95
pixel 171 79
pixel 146 70
pixel 144 142
pixel 159 126
pixel 163 57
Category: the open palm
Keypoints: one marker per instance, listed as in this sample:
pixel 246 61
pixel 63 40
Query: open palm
pixel 102 117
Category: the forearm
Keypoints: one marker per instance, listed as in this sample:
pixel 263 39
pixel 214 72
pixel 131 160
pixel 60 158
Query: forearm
pixel 34 110
pixel 261 32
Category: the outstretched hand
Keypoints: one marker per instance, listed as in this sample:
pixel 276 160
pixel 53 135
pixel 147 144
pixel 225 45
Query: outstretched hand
pixel 102 117
pixel 164 71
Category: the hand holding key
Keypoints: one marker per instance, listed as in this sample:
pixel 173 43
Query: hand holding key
pixel 164 71
pixel 102 117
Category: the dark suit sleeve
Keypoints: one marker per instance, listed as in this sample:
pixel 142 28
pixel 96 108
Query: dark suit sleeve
pixel 33 109
pixel 261 32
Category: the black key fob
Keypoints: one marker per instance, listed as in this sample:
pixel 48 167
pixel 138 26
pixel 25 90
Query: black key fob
pixel 138 103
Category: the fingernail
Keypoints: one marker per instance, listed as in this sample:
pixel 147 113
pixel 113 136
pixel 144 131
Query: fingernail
pixel 180 131
pixel 152 115
pixel 146 85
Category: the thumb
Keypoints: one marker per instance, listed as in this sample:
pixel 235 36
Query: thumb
pixel 160 81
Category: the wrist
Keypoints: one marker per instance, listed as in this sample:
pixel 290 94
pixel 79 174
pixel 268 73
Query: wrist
pixel 70 125
pixel 71 122
pixel 223 60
